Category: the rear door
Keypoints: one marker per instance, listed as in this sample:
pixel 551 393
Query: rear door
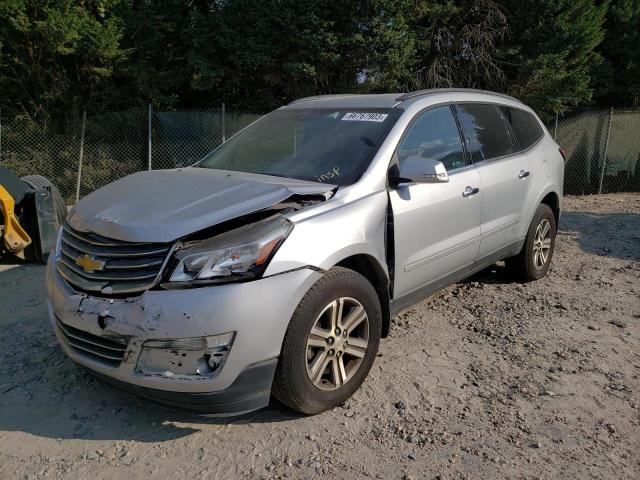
pixel 436 225
pixel 504 174
pixel 528 133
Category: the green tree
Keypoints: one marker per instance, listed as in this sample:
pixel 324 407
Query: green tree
pixel 261 53
pixel 618 79
pixel 456 44
pixel 57 55
pixel 159 35
pixel 550 52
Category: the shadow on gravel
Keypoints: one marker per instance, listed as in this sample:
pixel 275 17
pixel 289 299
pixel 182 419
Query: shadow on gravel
pixel 91 410
pixel 496 274
pixel 94 411
pixel 614 235
pixel 43 393
pixel 611 235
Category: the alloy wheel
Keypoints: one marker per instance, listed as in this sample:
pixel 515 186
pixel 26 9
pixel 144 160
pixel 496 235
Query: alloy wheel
pixel 337 343
pixel 542 244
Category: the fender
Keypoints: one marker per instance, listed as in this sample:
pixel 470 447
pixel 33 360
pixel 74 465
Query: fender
pixel 534 205
pixel 314 240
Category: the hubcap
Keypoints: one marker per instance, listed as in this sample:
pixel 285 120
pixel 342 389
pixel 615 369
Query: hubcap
pixel 542 244
pixel 337 343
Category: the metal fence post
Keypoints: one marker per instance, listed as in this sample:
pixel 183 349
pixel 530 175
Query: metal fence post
pixel 224 130
pixel 84 122
pixel 606 149
pixel 555 130
pixel 149 136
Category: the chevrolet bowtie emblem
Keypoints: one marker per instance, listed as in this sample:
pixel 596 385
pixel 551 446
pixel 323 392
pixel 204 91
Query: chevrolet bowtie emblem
pixel 90 264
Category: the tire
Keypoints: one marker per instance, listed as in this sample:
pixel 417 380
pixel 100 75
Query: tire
pixel 59 206
pixel 527 265
pixel 293 385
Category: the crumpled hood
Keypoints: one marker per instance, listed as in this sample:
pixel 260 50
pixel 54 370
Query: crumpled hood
pixel 164 205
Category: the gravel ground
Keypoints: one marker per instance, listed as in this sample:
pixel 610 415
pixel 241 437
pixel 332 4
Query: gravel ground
pixel 488 379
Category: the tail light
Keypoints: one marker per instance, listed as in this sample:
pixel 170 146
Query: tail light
pixel 563 152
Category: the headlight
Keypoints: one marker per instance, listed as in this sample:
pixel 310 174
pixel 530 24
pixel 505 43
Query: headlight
pixel 240 254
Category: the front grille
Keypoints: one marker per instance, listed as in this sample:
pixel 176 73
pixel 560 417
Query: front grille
pixel 118 267
pixel 108 352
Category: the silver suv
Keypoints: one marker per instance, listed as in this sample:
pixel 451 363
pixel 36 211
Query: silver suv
pixel 275 264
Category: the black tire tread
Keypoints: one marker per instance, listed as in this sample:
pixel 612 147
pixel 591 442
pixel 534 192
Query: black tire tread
pixel 283 389
pixel 521 265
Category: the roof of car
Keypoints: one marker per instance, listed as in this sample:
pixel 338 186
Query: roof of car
pixel 385 100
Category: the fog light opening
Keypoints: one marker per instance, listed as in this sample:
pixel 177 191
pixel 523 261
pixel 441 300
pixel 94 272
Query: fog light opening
pixel 213 360
pixel 200 356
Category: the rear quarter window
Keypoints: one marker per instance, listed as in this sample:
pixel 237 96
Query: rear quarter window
pixel 524 125
pixel 485 130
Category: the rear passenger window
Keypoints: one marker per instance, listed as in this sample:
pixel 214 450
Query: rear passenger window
pixel 434 135
pixel 525 126
pixel 486 131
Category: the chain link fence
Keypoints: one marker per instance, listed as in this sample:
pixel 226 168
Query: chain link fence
pixel 95 151
pixel 27 149
pixel 603 150
pixel 603 147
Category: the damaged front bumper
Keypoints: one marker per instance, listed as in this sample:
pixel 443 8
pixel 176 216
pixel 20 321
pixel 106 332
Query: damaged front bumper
pixel 211 349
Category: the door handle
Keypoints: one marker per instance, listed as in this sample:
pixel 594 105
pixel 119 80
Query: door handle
pixel 523 174
pixel 468 191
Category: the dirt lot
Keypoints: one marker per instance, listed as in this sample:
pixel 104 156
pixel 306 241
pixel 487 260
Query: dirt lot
pixel 488 379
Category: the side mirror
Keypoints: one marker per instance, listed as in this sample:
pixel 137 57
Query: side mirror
pixel 422 170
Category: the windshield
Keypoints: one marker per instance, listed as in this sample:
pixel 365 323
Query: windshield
pixel 329 146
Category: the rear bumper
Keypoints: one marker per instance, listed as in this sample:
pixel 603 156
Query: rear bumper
pixel 250 391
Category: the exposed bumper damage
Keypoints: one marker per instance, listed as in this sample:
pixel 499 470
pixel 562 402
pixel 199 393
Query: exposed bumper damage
pixel 211 348
pixel 195 347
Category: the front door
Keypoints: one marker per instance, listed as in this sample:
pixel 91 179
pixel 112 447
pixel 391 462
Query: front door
pixel 436 225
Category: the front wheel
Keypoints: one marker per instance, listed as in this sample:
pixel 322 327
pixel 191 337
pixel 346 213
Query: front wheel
pixel 534 259
pixel 330 343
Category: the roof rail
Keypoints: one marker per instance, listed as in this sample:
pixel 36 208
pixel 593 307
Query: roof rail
pixel 316 97
pixel 432 91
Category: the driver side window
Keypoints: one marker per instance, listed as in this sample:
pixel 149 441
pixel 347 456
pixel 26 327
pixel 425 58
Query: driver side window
pixel 435 135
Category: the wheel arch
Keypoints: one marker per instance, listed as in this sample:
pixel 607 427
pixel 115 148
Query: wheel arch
pixel 367 266
pixel 553 201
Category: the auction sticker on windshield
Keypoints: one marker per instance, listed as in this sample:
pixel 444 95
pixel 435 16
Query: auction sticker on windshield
pixel 365 117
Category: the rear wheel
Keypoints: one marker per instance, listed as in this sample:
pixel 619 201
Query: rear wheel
pixel 534 259
pixel 330 344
